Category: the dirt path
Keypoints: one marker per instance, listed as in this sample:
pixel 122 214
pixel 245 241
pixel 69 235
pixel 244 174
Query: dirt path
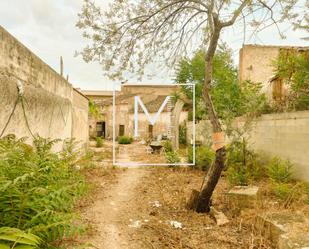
pixel 108 209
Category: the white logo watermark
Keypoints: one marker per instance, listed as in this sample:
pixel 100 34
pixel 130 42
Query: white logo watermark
pixel 152 120
pixel 151 117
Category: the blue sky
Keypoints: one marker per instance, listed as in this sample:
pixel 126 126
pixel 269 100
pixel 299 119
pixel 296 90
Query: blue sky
pixel 47 27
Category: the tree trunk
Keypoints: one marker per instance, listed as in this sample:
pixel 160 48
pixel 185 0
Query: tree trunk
pixel 212 178
pixel 214 173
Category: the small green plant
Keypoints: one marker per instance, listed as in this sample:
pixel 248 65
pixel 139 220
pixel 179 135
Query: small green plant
pixel 237 175
pixel 99 142
pixel 125 140
pixel 243 164
pixel 167 146
pixel 279 170
pixel 172 157
pixel 282 190
pixel 204 156
pixel 183 134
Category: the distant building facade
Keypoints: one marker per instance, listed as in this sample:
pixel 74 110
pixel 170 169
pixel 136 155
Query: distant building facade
pixel 152 97
pixel 257 63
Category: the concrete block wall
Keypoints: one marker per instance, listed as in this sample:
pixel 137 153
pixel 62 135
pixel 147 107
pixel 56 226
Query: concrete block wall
pixel 285 135
pixel 50 105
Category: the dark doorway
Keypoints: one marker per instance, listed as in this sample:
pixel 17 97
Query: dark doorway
pixel 100 128
pixel 121 130
pixel 150 131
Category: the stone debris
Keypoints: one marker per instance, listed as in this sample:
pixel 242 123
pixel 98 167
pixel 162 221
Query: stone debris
pixel 156 204
pixel 220 217
pixel 176 224
pixel 286 231
pixel 135 223
pixel 241 197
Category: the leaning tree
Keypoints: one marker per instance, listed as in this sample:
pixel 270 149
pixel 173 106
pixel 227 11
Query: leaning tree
pixel 131 36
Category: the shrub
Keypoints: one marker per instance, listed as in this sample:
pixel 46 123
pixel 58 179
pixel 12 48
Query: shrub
pixel 243 164
pixel 125 140
pixel 282 190
pixel 237 175
pixel 290 193
pixel 204 156
pixel 167 145
pixel 279 170
pixel 99 142
pixel 43 187
pixel 172 157
pixel 183 134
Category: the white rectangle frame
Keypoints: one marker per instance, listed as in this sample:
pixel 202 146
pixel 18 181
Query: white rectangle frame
pixel 133 164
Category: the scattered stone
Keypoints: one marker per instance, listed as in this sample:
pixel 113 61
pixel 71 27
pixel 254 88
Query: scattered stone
pixel 293 241
pixel 176 224
pixel 220 217
pixel 241 197
pixel 284 230
pixel 156 204
pixel 135 224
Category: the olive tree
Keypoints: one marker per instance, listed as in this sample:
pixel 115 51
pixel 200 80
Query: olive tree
pixel 130 35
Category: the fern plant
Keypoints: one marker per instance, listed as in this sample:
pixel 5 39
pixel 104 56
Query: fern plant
pixel 38 189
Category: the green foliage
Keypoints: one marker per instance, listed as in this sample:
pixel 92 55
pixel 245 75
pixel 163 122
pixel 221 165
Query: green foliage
pixel 293 68
pixel 94 110
pixel 125 140
pixel 15 238
pixel 279 170
pixel 183 134
pixel 204 156
pixel 172 157
pixel 243 164
pixel 230 98
pixel 38 189
pixel 99 142
pixel 167 146
pixel 282 190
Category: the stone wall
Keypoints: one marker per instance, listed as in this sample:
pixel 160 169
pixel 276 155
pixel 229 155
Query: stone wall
pixel 50 103
pixel 256 63
pixel 285 135
pixel 80 125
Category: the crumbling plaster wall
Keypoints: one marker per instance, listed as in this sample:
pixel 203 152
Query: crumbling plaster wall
pixel 49 99
pixel 256 63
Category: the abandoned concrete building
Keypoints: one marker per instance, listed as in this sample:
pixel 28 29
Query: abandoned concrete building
pixel 52 108
pixel 257 63
pixel 152 97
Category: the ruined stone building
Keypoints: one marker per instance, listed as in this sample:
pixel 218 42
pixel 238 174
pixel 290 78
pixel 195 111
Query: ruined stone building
pixel 257 63
pixel 152 97
pixel 53 108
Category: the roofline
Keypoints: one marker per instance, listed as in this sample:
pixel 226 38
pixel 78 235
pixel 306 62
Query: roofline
pixel 78 91
pixel 275 46
pixel 97 93
pixel 148 85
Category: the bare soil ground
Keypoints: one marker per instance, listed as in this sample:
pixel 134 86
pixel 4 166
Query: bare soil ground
pixel 134 208
pixel 139 208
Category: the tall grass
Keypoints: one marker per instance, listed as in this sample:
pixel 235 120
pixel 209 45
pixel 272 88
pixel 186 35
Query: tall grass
pixel 38 189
